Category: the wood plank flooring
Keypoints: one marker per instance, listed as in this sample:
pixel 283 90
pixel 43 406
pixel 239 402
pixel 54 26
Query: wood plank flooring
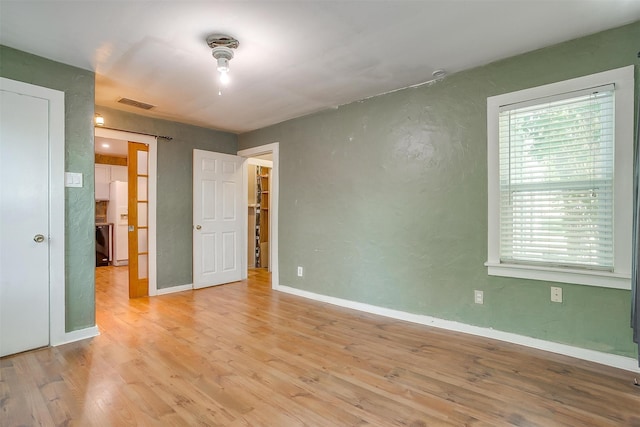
pixel 244 355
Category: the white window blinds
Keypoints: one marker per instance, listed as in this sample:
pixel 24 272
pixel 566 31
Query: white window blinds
pixel 556 160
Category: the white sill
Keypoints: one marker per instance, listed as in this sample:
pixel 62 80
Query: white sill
pixel 601 279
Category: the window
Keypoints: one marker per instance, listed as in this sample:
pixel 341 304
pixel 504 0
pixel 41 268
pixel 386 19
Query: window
pixel 560 181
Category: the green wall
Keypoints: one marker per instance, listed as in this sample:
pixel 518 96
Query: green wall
pixel 384 201
pixel 78 86
pixel 175 196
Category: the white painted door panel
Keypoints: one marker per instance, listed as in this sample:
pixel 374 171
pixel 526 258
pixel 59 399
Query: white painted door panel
pixel 218 224
pixel 24 222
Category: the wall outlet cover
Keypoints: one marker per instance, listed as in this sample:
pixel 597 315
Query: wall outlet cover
pixel 300 271
pixel 556 294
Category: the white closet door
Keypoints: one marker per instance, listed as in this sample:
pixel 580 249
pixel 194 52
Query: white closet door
pixel 24 222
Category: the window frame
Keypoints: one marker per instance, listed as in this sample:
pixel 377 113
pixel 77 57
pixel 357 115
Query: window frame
pixel 620 277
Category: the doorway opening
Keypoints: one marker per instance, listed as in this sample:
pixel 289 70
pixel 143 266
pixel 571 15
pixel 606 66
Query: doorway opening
pixel 259 177
pixel 114 176
pixel 261 171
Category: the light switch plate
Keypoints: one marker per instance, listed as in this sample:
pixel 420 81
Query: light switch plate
pixel 72 179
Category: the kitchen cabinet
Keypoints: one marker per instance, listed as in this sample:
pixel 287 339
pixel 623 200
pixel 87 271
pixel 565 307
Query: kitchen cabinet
pixel 106 174
pixel 119 173
pixel 103 178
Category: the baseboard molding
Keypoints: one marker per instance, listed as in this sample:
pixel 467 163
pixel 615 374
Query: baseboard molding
pixel 173 289
pixel 621 362
pixel 78 335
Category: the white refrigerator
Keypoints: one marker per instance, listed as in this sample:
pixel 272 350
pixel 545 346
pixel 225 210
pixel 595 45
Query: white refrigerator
pixel 118 215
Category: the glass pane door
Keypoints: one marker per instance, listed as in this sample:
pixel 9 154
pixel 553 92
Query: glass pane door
pixel 138 220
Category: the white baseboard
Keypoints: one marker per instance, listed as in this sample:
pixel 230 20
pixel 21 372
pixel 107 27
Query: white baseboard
pixel 621 362
pixel 172 289
pixel 77 335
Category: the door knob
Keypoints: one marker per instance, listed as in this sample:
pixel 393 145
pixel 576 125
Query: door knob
pixel 38 238
pixel 198 227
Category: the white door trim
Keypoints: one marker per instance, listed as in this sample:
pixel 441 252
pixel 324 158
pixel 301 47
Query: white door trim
pixel 153 168
pixel 274 149
pixel 57 332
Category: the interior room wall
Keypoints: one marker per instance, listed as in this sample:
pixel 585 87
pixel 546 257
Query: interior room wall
pixel 78 87
pixel 384 201
pixel 175 195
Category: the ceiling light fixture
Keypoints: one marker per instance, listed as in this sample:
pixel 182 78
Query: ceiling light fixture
pixel 222 46
pixel 99 120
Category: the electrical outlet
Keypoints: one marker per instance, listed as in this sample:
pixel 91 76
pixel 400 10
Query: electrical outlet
pixel 300 271
pixel 478 297
pixel 556 294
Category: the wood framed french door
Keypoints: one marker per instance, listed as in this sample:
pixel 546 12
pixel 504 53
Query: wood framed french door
pixel 138 205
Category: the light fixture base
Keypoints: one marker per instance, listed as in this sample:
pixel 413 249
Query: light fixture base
pixel 221 40
pixel 223 55
pixel 222 50
pixel 439 74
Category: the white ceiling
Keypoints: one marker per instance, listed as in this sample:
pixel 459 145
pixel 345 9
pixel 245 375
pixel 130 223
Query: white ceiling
pixel 295 57
pixel 111 147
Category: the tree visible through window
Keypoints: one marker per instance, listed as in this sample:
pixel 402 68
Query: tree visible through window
pixel 560 179
pixel 556 181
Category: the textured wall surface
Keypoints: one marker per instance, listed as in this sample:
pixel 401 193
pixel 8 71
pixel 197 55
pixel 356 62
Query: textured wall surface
pixel 78 86
pixel 175 196
pixel 384 201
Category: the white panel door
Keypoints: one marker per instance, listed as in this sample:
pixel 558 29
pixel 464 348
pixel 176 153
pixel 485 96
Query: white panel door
pixel 218 226
pixel 24 222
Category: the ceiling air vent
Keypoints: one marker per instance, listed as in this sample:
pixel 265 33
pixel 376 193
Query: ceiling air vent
pixel 134 103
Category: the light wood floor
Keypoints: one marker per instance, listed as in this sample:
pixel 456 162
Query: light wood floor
pixel 244 355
